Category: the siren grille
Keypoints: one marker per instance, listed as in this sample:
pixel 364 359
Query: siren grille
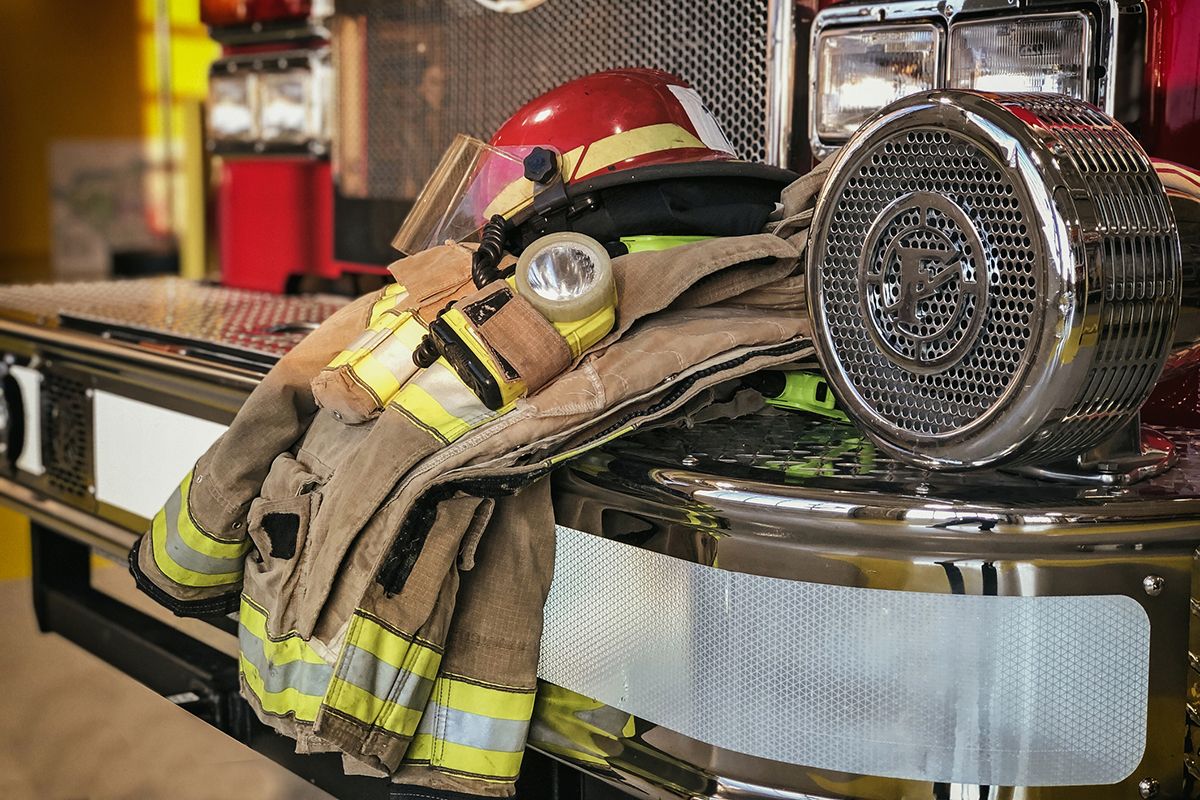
pixel 992 277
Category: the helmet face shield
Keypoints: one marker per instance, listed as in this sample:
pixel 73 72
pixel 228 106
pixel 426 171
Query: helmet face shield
pixel 472 182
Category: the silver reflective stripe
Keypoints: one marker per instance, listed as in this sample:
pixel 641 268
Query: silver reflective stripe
pixel 303 676
pixel 474 730
pixel 1009 691
pixel 444 385
pixel 362 669
pixel 185 556
pixel 396 357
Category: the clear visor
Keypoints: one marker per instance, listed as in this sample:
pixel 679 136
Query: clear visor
pixel 471 183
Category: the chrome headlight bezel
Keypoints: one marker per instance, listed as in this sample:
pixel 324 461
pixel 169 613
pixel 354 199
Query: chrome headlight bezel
pixel 1102 20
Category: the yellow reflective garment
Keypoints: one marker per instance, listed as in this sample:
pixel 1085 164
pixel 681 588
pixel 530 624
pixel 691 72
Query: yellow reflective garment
pixel 383 677
pixel 189 555
pixel 473 730
pixel 286 675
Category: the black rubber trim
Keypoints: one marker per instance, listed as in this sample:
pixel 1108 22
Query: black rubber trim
pixel 208 607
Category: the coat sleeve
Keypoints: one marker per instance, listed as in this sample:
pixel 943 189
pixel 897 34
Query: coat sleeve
pixel 191 558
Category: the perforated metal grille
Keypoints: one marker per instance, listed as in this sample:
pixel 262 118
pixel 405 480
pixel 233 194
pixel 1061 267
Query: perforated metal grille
pixel 66 434
pixel 440 67
pixel 1139 266
pixel 255 324
pixel 989 342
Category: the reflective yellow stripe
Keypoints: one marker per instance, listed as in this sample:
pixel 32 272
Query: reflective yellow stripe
pixel 288 701
pixel 383 678
pixel 439 399
pixel 286 676
pixel 393 295
pixel 197 539
pixel 393 648
pixel 186 554
pixel 636 142
pixel 367 708
pixel 178 573
pixel 473 730
pixel 583 448
pixel 484 765
pixel 483 700
pixel 388 362
pixel 281 651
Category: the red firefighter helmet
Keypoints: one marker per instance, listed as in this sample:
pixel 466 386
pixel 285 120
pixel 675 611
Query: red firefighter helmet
pixel 617 120
pixel 619 153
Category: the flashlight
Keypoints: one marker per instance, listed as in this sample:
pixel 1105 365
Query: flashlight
pixel 566 277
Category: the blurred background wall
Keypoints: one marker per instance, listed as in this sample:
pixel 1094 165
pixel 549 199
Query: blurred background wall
pixel 82 74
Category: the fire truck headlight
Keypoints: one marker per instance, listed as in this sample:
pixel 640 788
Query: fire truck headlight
pixel 858 71
pixel 289 105
pixel 231 107
pixel 1040 53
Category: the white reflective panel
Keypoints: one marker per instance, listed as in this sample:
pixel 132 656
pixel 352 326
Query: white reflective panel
pixel 143 450
pixel 1011 691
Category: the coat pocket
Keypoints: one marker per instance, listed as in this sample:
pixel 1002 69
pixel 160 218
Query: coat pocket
pixel 279 528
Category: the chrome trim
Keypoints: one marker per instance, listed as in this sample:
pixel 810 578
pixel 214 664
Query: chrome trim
pixel 939 60
pixel 110 539
pixel 895 528
pixel 781 78
pixel 1063 391
pixel 1106 31
pixel 93 346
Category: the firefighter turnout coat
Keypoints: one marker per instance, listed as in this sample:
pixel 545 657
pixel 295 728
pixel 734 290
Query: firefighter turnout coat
pixel 387 541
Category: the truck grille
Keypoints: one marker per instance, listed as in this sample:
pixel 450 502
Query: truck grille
pixel 67 434
pixel 435 68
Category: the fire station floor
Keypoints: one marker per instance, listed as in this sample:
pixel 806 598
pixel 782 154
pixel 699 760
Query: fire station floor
pixel 73 727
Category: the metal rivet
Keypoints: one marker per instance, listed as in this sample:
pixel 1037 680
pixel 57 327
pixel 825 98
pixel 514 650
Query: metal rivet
pixel 237 525
pixel 1153 584
pixel 1148 787
pixel 691 461
pixel 337 415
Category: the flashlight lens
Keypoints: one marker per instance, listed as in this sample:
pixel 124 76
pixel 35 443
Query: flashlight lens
pixel 562 272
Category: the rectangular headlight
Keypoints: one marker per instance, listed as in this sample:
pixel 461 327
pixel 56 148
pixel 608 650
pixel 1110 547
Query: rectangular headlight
pixel 286 105
pixel 861 70
pixel 232 115
pixel 1043 53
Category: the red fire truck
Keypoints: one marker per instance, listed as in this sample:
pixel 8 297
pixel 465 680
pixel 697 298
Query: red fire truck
pixel 980 585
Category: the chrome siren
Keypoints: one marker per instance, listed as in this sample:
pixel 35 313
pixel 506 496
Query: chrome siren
pixel 993 278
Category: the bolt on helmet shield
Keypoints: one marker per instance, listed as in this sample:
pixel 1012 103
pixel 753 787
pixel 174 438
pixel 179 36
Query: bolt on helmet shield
pixel 472 182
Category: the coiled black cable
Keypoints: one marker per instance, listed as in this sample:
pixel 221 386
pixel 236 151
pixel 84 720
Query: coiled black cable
pixel 491 250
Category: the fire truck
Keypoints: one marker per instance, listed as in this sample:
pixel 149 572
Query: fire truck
pixel 982 583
